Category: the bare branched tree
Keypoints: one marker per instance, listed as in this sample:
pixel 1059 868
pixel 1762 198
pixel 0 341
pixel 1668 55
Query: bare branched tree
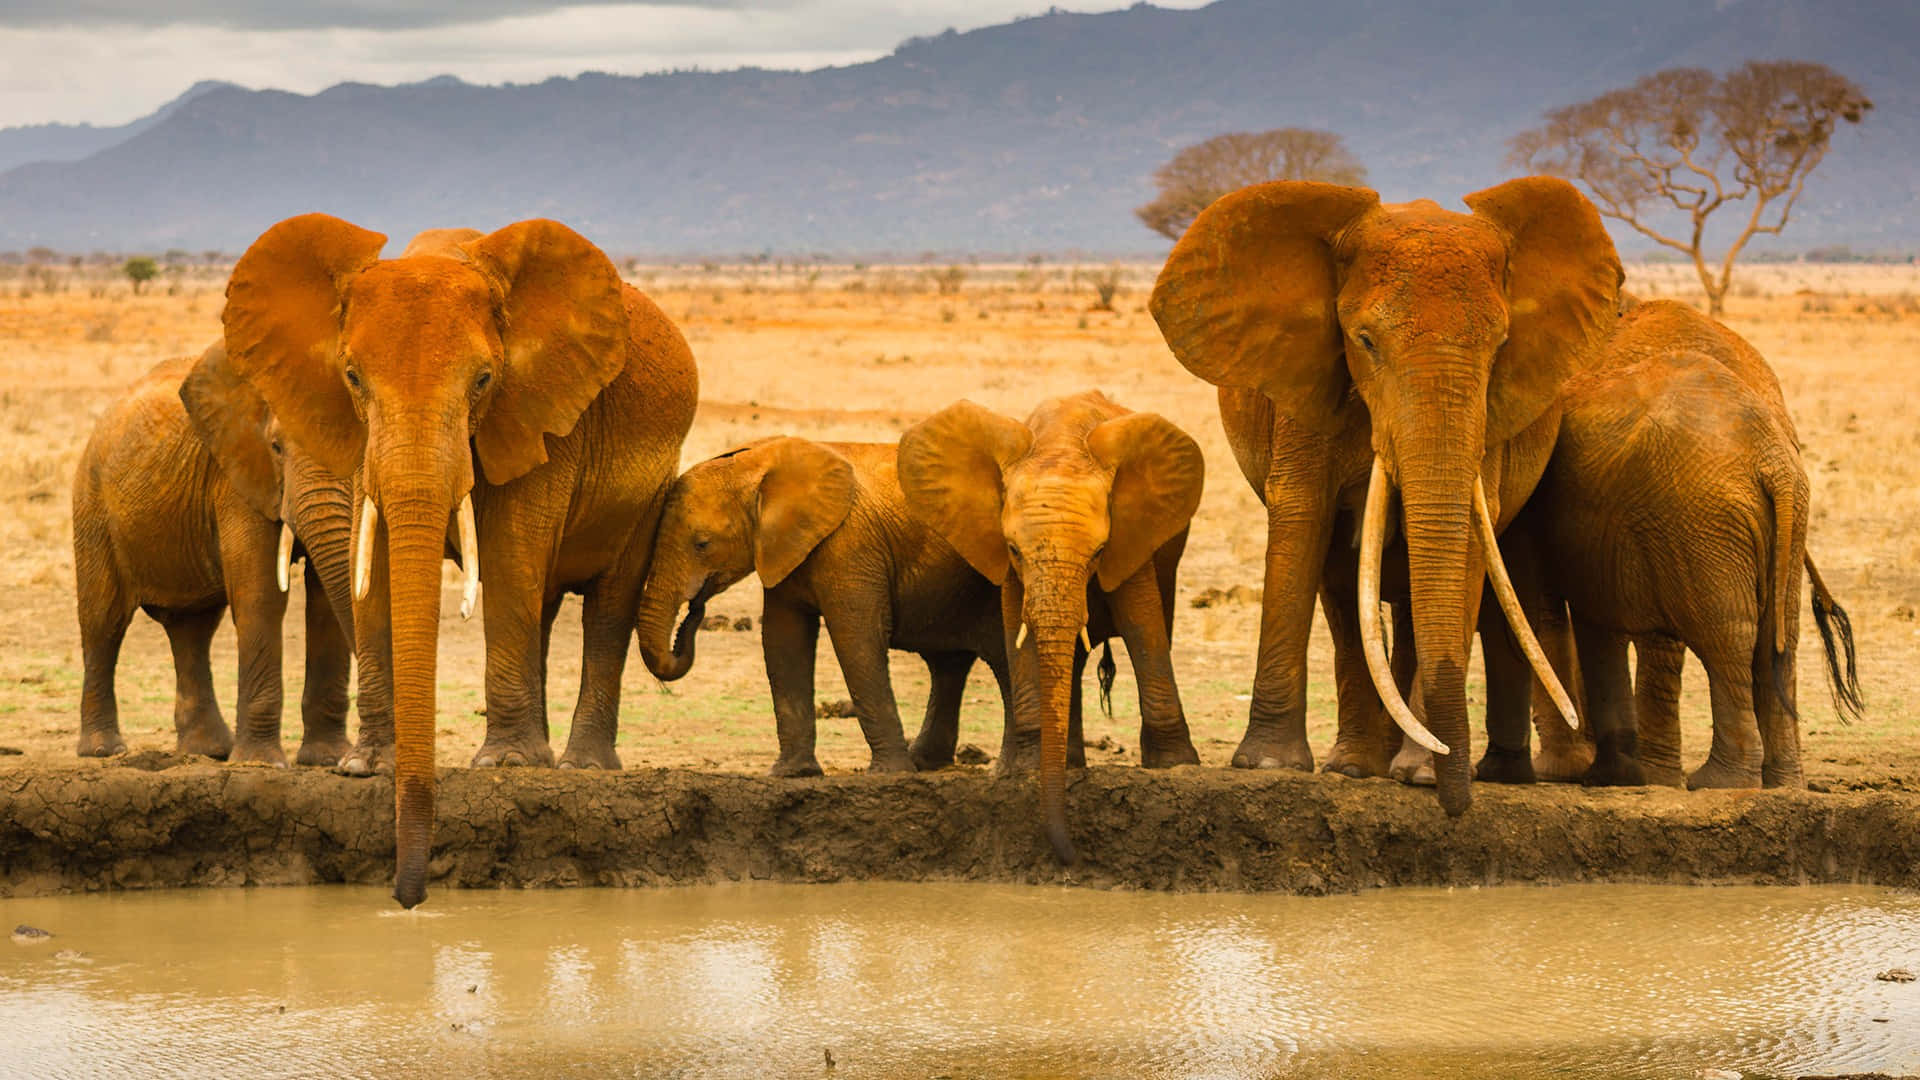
pixel 1689 141
pixel 1205 171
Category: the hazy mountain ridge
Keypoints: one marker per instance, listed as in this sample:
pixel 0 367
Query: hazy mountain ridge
pixel 1033 135
pixel 71 142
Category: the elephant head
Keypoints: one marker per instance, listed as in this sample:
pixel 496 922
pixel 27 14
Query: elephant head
pixel 404 373
pixel 762 509
pixel 1456 331
pixel 1083 491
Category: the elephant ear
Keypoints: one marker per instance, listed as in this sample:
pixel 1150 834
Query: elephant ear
pixel 951 470
pixel 806 491
pixel 563 328
pixel 230 417
pixel 1158 473
pixel 446 243
pixel 283 327
pixel 1247 298
pixel 1563 295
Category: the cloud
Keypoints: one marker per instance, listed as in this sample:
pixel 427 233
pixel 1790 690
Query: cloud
pixel 308 14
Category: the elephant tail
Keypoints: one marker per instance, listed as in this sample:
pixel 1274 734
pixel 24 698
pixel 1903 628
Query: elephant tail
pixel 1104 673
pixel 1836 637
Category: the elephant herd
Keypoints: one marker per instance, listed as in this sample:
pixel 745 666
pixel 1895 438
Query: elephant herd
pixel 1433 407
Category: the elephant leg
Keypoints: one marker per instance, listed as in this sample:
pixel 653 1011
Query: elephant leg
pixel 947 672
pixel 197 725
pixel 247 553
pixel 1137 607
pixel 1365 743
pixel 1003 677
pixel 1076 711
pixel 1020 744
pixel 1299 524
pixel 1412 763
pixel 1508 758
pixel 1658 663
pixel 860 631
pixel 1603 669
pixel 1779 729
pixel 1565 755
pixel 323 698
pixel 607 617
pixel 790 639
pixel 519 625
pixel 373 653
pixel 105 614
pixel 1735 759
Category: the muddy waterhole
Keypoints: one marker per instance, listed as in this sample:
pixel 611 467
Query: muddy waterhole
pixel 964 980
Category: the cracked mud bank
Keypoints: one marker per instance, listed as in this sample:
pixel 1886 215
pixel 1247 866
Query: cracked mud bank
pixel 77 829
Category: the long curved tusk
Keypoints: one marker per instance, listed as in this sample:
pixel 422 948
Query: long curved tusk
pixel 469 556
pixel 1373 544
pixel 1086 640
pixel 1020 639
pixel 363 552
pixel 1510 605
pixel 284 558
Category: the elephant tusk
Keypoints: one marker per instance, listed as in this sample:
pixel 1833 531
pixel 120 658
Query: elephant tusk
pixel 363 553
pixel 1020 640
pixel 1510 605
pixel 469 556
pixel 283 560
pixel 1373 543
pixel 1086 640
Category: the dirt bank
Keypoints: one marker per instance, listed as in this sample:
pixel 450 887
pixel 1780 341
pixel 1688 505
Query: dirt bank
pixel 192 823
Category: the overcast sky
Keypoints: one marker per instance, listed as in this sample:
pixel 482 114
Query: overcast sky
pixel 109 61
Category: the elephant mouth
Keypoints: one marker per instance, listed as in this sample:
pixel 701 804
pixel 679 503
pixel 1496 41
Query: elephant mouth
pixel 690 625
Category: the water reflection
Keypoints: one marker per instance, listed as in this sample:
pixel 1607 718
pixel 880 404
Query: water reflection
pixel 964 980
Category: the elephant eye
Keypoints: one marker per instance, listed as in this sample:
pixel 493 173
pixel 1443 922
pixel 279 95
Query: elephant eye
pixel 481 382
pixel 1366 342
pixel 276 446
pixel 353 378
pixel 701 543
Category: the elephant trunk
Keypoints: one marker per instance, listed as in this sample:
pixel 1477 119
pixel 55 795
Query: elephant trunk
pixel 1055 616
pixel 669 653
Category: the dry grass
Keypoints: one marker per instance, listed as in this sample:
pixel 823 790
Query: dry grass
pixel 860 352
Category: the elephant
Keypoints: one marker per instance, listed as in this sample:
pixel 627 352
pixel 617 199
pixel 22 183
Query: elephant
pixel 1079 516
pixel 509 387
pixel 1682 431
pixel 1402 349
pixel 177 510
pixel 826 527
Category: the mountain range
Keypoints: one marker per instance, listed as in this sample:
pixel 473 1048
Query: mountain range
pixel 1035 135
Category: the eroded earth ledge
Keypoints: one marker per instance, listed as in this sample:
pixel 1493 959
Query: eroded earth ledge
pixel 80 829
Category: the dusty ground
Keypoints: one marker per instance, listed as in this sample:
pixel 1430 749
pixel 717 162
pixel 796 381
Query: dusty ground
pixel 859 352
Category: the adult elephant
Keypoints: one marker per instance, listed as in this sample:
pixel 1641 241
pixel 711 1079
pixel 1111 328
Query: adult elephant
pixel 1080 515
pixel 826 528
pixel 509 387
pixel 1403 348
pixel 178 511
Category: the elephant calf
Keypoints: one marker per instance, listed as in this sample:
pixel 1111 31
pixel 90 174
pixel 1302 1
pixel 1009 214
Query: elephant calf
pixel 176 511
pixel 826 528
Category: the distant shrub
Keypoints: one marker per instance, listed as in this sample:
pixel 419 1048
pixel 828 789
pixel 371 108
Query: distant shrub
pixel 140 270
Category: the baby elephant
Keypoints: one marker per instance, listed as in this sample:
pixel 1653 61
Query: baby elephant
pixel 177 511
pixel 826 528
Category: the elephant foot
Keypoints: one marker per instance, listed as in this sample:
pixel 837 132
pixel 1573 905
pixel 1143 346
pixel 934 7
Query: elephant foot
pixel 590 754
pixel 892 759
pixel 1664 775
pixel 1357 759
pixel 930 755
pixel 1563 764
pixel 1412 765
pixel 1783 776
pixel 101 743
pixel 211 738
pixel 787 768
pixel 1612 768
pixel 324 752
pixel 1717 774
pixel 366 759
pixel 1165 749
pixel 513 755
pixel 1265 750
pixel 1503 766
pixel 258 752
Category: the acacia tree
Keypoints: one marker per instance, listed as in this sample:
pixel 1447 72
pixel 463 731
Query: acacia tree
pixel 1689 141
pixel 1203 172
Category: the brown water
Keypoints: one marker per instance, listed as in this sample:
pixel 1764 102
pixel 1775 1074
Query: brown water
pixel 962 980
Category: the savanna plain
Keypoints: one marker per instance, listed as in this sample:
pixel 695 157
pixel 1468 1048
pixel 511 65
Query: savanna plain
pixel 858 352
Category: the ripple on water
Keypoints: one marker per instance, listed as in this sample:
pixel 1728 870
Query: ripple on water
pixel 971 980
